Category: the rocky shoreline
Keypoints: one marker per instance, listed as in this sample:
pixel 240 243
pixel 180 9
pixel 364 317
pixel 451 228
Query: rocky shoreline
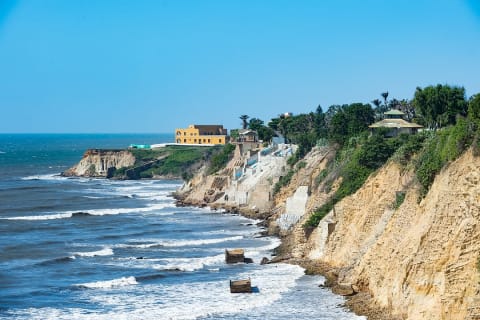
pixel 433 241
pixel 361 303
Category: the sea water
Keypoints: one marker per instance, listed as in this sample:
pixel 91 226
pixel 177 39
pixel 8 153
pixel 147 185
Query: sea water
pixel 77 248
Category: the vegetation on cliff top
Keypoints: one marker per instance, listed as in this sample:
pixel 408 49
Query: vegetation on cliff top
pixel 221 158
pixel 170 161
pixel 454 126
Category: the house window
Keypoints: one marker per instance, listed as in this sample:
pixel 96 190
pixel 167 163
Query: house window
pixel 178 133
pixel 208 140
pixel 184 133
pixel 195 140
pixel 184 140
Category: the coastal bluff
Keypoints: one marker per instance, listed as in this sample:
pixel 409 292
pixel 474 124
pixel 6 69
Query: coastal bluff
pixel 414 259
pixel 100 162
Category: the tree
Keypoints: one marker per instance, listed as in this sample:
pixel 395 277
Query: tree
pixel 244 119
pixel 439 105
pixel 255 124
pixel 350 120
pixel 377 103
pixel 380 108
pixel 384 96
pixel 264 133
pixel 474 107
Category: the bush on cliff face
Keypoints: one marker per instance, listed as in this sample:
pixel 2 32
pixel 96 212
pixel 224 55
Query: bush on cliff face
pixel 442 147
pixel 283 181
pixel 220 159
pixel 359 158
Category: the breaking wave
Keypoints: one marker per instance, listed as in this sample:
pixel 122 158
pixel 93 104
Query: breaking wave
pixel 121 282
pixel 96 212
pixel 103 252
pixel 181 243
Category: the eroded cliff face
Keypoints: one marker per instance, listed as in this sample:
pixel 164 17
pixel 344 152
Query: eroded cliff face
pixel 416 259
pixel 251 192
pixel 420 260
pixel 96 163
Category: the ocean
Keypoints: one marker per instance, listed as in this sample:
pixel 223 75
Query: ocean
pixel 77 248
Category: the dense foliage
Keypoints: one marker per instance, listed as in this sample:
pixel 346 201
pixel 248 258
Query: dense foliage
pixel 438 106
pixel 349 120
pixel 442 147
pixel 283 181
pixel 221 158
pixel 359 158
pixel 264 133
pixel 173 161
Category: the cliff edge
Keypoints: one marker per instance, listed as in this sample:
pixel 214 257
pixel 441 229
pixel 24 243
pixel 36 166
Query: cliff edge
pixel 98 163
pixel 419 260
pixel 401 256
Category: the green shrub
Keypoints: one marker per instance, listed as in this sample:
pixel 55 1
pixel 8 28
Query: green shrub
pixel 220 159
pixel 292 159
pixel 359 158
pixel 319 214
pixel 301 165
pixel 440 148
pixel 320 177
pixel 399 198
pixel 146 174
pixel 120 172
pixel 409 148
pixel 283 181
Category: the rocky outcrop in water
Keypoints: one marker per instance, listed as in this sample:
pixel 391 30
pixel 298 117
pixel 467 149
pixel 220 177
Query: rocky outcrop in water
pixel 100 163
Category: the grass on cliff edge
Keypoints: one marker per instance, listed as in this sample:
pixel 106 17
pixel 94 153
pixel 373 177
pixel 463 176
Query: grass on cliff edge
pixel 220 158
pixel 359 158
pixel 428 152
pixel 442 147
pixel 176 161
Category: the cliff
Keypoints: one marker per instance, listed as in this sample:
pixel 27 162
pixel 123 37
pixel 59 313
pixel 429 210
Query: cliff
pixel 246 183
pixel 409 257
pixel 418 261
pixel 99 163
pixel 170 162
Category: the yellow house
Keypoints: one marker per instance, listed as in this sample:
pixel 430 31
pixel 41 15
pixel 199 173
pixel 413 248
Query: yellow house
pixel 201 134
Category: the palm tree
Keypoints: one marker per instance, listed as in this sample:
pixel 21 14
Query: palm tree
pixel 377 103
pixel 385 96
pixel 244 118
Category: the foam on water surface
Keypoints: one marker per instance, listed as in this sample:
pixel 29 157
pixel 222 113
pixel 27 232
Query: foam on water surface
pixel 97 212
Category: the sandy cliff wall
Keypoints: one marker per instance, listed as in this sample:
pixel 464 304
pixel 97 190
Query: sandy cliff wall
pixel 417 261
pixel 250 193
pixel 96 163
pixel 420 260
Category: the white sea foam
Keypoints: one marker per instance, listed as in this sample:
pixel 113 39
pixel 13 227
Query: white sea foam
pixel 184 243
pixel 121 282
pixel 194 300
pixel 55 176
pixel 178 243
pixel 188 264
pixel 42 217
pixel 103 252
pixel 134 192
pixel 98 212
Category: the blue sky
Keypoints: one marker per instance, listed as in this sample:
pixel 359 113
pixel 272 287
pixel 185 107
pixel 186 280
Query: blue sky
pixel 151 66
